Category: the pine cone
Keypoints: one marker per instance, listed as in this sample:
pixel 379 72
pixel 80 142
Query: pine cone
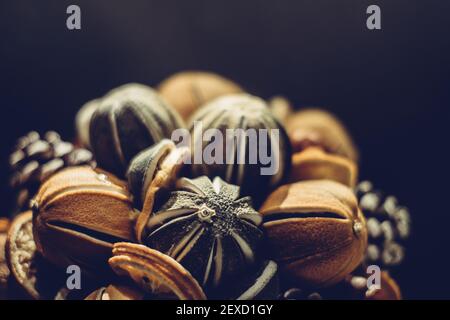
pixel 34 160
pixel 388 226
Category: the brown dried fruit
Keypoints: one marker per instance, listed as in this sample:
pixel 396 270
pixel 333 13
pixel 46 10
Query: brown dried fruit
pixel 78 214
pixel 315 231
pixel 316 127
pixel 314 164
pixel 187 91
pixel 154 271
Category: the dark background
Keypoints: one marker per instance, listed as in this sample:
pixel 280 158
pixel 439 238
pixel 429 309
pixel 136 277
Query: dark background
pixel 391 87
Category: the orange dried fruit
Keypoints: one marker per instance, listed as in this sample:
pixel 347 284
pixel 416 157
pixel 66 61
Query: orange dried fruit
pixel 315 231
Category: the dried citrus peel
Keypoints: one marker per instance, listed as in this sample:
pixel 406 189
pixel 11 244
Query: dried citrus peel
pixel 154 271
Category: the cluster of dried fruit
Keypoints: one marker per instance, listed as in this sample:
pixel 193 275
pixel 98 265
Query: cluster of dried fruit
pixel 142 223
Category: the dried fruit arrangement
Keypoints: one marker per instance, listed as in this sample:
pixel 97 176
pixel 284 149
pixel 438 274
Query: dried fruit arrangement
pixel 140 218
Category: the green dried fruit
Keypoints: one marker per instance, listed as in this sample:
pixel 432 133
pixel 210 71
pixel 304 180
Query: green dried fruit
pixel 126 121
pixel 208 228
pixel 249 132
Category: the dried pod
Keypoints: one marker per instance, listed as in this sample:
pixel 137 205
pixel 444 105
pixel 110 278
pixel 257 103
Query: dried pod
pixel 78 214
pixel 116 292
pixel 314 164
pixel 315 231
pixel 207 227
pixel 83 120
pixel 316 127
pixel 247 131
pixel 145 166
pixel 126 121
pixel 187 91
pixel 152 172
pixel 154 271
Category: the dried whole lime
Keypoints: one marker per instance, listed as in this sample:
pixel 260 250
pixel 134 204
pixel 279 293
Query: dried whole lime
pixel 207 227
pixel 78 214
pixel 315 231
pixel 128 120
pixel 244 132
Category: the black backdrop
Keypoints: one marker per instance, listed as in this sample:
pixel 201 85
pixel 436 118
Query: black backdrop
pixel 390 86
